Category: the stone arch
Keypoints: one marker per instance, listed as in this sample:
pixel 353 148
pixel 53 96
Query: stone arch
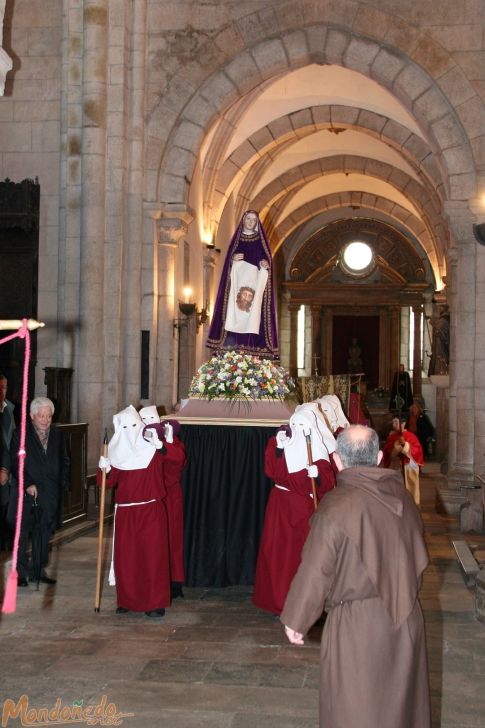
pixel 394 214
pixel 422 75
pixel 250 154
pixel 325 211
pixel 276 195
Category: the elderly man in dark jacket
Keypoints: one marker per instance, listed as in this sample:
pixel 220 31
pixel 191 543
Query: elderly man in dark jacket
pixel 46 477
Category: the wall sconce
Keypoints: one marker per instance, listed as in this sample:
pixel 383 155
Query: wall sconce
pixel 190 309
pixel 479 233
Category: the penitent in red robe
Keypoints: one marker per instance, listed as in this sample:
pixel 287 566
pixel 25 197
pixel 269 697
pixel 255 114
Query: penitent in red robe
pixel 141 549
pixel 286 527
pixel 173 465
pixel 416 451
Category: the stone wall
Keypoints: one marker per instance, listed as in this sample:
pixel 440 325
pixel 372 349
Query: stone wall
pixel 108 104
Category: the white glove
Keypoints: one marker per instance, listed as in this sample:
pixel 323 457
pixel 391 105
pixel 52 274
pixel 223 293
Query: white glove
pixel 169 433
pixel 282 439
pixel 104 463
pixel 151 435
pixel 312 471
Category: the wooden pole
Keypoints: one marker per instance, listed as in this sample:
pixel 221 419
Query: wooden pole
pixel 13 324
pixel 101 527
pixel 308 439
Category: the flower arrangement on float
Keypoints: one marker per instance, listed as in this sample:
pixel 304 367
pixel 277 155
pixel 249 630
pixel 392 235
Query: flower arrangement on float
pixel 235 375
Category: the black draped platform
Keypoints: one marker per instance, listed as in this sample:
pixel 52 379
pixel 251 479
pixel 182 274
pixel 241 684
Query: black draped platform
pixel 225 494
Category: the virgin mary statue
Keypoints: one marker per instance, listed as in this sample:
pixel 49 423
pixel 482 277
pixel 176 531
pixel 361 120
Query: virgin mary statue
pixel 244 315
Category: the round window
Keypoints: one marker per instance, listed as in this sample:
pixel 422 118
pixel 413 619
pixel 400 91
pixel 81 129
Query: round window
pixel 357 259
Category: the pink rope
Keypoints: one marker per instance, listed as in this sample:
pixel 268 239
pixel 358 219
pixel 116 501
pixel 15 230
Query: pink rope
pixel 10 597
pixel 11 336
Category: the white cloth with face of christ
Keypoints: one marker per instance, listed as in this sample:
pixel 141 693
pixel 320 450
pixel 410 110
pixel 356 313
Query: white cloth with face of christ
pixel 245 298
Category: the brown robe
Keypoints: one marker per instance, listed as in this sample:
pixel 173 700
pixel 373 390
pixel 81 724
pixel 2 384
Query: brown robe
pixel 362 562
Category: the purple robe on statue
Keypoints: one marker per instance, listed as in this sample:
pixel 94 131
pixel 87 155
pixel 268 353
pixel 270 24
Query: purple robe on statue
pixel 254 248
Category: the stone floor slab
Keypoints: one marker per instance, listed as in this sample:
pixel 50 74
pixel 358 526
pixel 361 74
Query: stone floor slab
pixel 214 660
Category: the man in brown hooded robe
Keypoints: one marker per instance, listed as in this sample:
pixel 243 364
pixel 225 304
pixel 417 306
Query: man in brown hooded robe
pixel 362 562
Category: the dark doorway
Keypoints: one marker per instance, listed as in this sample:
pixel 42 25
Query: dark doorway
pixel 19 249
pixel 365 330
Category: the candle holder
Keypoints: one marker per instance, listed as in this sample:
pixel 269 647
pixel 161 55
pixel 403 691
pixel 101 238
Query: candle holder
pixel 188 310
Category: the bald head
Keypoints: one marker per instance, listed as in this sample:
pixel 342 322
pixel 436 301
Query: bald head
pixel 357 445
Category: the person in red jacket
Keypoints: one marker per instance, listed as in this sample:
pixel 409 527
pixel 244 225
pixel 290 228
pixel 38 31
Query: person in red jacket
pixel 402 451
pixel 290 506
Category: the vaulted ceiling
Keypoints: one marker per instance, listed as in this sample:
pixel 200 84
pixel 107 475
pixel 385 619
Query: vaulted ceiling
pixel 320 144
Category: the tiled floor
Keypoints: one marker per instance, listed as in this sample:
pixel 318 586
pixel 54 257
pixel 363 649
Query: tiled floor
pixel 214 660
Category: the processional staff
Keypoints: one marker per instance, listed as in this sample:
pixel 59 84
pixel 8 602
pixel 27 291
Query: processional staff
pixel 308 439
pixel 12 324
pixel 101 526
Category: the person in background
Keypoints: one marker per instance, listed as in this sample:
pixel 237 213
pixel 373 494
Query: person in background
pixel 46 479
pixel 402 451
pixel 420 425
pixel 362 562
pixel 401 391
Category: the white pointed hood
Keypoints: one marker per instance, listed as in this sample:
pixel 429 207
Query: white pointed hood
pixel 127 450
pixel 332 407
pixel 149 415
pixel 302 423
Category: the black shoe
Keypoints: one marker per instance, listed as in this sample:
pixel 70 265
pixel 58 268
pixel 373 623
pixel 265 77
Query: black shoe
pixel 122 610
pixel 22 581
pixel 176 590
pixel 44 579
pixel 155 613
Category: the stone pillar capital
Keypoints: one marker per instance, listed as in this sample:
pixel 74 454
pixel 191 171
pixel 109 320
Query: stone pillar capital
pixel 173 224
pixel 460 219
pixel 170 230
pixel 452 255
pixel 173 210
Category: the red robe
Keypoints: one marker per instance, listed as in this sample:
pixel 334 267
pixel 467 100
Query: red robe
pixel 141 550
pixel 286 527
pixel 172 472
pixel 416 451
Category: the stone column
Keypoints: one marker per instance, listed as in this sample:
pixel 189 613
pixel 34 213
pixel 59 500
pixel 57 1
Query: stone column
pixel 417 361
pixel 316 311
pixel 171 227
pixel 451 282
pixel 210 261
pixel 284 329
pixel 385 377
pixel 441 382
pixel 395 315
pixel 328 341
pixel 463 366
pixel 293 309
pixel 90 374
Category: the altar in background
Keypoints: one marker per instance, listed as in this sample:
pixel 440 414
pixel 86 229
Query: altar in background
pixel 343 385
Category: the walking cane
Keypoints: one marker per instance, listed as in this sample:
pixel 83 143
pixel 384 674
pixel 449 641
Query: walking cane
pixel 101 526
pixel 308 439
